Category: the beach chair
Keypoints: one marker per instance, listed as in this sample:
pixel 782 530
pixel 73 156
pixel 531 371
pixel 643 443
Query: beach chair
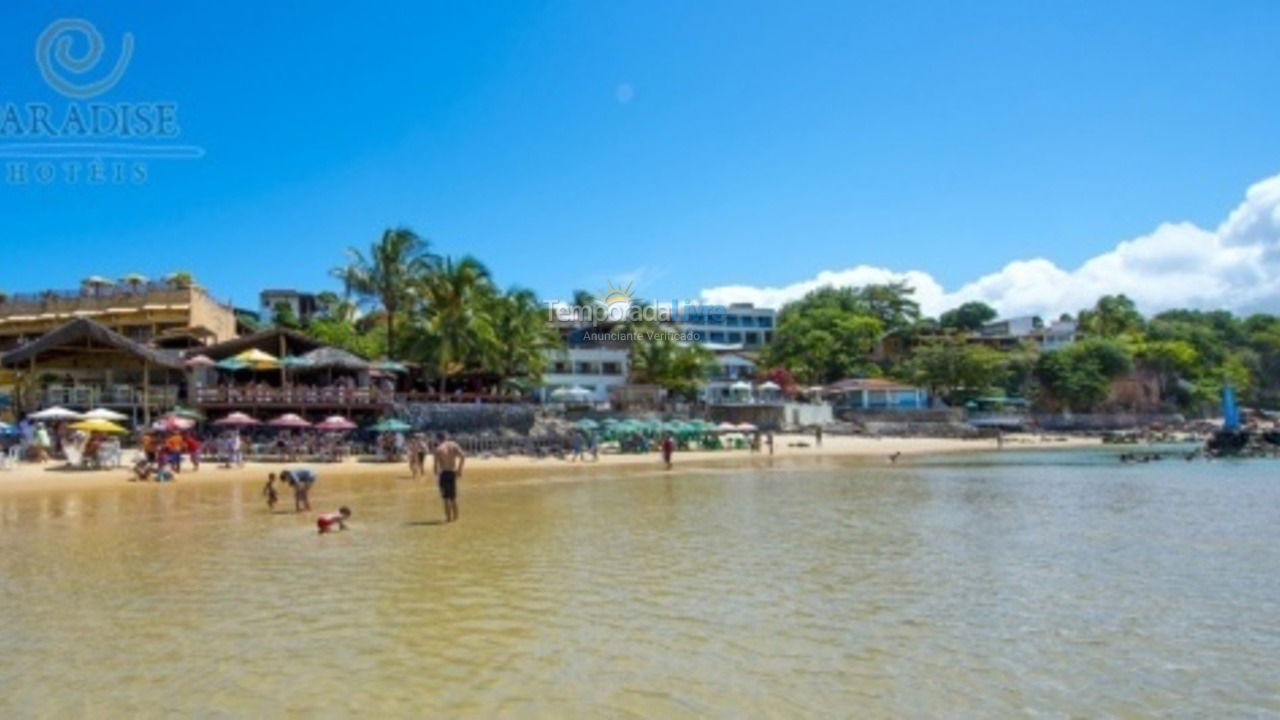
pixel 9 460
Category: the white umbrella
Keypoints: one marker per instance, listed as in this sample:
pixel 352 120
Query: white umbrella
pixel 55 413
pixel 104 414
pixel 741 385
pixel 571 393
pixel 770 385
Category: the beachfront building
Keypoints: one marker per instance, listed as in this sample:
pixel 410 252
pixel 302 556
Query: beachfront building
pixel 594 370
pixel 83 364
pixel 732 380
pixel 303 305
pixel 740 325
pixel 139 309
pixel 876 394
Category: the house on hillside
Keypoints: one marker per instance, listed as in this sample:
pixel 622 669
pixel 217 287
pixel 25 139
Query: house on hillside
pixel 876 394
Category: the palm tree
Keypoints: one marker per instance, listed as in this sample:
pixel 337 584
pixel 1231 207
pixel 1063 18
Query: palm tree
pixel 387 274
pixel 521 335
pixel 457 296
pixel 657 359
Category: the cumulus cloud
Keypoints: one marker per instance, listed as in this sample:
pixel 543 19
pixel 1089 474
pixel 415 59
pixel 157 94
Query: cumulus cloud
pixel 1235 266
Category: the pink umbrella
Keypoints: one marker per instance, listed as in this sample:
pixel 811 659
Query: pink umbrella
pixel 173 422
pixel 335 422
pixel 237 418
pixel 289 420
pixel 199 361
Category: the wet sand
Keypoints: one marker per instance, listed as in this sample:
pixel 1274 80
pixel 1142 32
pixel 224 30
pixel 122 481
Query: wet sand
pixel 52 476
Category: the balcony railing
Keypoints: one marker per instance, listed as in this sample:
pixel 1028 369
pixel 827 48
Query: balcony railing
pixel 90 396
pixel 304 397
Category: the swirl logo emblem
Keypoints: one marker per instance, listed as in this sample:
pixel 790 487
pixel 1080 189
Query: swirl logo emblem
pixel 57 58
pixel 85 135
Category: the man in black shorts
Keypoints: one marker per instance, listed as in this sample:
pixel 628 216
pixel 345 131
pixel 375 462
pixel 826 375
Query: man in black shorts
pixel 448 461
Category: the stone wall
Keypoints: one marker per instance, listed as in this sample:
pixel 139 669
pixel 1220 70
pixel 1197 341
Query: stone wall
pixel 468 418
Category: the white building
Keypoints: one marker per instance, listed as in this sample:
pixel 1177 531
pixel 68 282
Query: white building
pixel 740 325
pixel 733 372
pixel 303 304
pixel 1059 334
pixel 595 369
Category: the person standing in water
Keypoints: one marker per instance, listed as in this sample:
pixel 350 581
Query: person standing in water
pixel 448 460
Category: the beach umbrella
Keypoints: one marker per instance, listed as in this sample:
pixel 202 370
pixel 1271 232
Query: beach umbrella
pixel 574 394
pixel 196 361
pixel 391 366
pixel 335 422
pixel 55 413
pixel 236 418
pixel 172 423
pixel 258 360
pixel 231 364
pixel 186 412
pixel 99 425
pixel 104 414
pixel 770 385
pixel 745 427
pixel 726 426
pixel 294 361
pixel 587 424
pixel 390 425
pixel 289 420
pixel 135 279
pixel 96 281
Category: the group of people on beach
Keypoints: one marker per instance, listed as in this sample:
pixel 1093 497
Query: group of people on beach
pixel 448 460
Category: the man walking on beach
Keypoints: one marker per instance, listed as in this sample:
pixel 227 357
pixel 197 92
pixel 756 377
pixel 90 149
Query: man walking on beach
pixel 448 461
pixel 668 447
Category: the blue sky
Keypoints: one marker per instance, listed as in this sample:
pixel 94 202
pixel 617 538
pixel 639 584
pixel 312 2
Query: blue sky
pixel 686 145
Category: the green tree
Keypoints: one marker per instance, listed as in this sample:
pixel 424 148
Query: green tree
pixel 387 273
pixel 1111 317
pixel 458 327
pixel 969 316
pixel 521 335
pixel 282 315
pixel 955 370
pixel 658 359
pixel 1078 377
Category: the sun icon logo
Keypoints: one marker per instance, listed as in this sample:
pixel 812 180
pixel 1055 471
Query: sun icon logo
pixel 615 295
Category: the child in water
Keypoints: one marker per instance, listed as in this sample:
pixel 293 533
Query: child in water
pixel 269 492
pixel 325 523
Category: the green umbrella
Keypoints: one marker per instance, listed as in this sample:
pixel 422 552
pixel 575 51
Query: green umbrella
pixel 391 425
pixel 391 366
pixel 187 412
pixel 587 424
pixel 293 361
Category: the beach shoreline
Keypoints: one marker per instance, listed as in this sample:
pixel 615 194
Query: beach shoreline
pixel 52 477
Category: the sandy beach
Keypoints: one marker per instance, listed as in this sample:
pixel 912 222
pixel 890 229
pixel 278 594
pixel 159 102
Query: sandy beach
pixel 53 476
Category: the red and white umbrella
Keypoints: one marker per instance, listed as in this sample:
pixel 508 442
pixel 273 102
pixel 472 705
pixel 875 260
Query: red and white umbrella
pixel 289 420
pixel 237 418
pixel 335 422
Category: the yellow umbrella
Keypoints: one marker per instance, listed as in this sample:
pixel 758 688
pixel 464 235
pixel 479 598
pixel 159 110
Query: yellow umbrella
pixel 102 426
pixel 258 359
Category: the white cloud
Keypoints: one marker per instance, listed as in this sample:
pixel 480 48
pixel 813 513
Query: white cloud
pixel 1236 267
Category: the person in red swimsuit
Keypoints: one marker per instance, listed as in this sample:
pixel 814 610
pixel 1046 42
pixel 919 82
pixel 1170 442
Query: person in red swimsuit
pixel 325 522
